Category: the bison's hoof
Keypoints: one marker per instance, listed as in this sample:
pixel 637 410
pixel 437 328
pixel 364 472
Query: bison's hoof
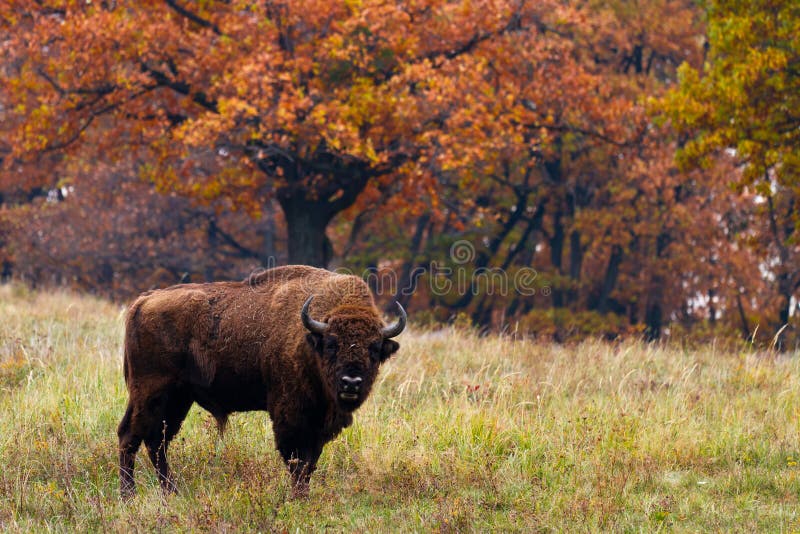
pixel 169 488
pixel 127 493
pixel 300 491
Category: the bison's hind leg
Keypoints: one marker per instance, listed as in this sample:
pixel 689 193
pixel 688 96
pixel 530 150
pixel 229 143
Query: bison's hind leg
pixel 129 444
pixel 154 418
pixel 170 410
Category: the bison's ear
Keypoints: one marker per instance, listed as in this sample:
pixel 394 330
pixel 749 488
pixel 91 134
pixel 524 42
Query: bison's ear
pixel 388 348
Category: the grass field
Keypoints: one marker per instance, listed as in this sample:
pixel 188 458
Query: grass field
pixel 460 434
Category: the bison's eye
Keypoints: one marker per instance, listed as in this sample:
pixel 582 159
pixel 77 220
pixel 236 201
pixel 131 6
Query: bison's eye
pixel 331 346
pixel 323 345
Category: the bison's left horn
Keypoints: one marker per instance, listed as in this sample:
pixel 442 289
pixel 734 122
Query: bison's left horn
pixel 398 326
pixel 317 327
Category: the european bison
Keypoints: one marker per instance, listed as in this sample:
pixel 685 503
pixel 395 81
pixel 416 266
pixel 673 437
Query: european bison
pixel 252 345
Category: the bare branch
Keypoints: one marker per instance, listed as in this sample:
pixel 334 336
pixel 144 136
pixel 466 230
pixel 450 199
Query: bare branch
pixel 230 241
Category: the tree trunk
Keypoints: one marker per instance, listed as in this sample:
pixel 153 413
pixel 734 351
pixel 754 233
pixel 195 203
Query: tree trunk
pixel 785 291
pixel 308 210
pixel 556 255
pixel 712 309
pixel 213 243
pixel 783 313
pixel 408 277
pixel 785 287
pixel 306 222
pixel 654 315
pixel 269 255
pixel 575 264
pixel 610 278
pixel 745 326
pixel 653 318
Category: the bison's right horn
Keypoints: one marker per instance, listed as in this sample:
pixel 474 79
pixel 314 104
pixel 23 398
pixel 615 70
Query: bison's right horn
pixel 398 326
pixel 317 327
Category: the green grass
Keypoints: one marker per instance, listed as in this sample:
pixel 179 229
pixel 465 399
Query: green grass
pixel 460 434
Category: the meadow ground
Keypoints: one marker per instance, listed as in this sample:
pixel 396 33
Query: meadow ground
pixel 461 433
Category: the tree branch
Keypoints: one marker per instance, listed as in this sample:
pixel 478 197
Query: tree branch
pixel 193 17
pixel 102 90
pixel 90 118
pixel 183 88
pixel 583 131
pixel 230 241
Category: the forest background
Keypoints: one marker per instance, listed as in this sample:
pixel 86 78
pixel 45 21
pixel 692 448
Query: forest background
pixel 564 169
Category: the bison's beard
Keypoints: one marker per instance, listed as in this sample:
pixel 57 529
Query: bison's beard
pixel 350 401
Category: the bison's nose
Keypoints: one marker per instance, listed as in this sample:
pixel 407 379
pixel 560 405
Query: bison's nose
pixel 351 384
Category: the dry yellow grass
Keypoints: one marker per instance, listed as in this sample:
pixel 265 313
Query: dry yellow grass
pixel 462 433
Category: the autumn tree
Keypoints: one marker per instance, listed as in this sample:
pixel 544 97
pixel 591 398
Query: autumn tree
pixel 747 94
pixel 745 100
pixel 383 133
pixel 310 103
pixel 564 170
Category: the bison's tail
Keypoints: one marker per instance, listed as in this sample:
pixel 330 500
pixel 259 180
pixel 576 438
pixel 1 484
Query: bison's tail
pixel 131 335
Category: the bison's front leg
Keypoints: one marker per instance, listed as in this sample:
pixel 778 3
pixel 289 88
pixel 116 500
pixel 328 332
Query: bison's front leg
pixel 300 451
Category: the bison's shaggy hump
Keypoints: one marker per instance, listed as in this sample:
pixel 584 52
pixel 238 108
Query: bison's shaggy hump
pixel 237 346
pixel 289 272
pixel 330 289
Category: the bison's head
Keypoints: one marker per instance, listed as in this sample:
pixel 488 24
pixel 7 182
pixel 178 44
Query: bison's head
pixel 351 345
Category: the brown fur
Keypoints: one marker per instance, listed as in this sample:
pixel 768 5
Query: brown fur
pixel 239 346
